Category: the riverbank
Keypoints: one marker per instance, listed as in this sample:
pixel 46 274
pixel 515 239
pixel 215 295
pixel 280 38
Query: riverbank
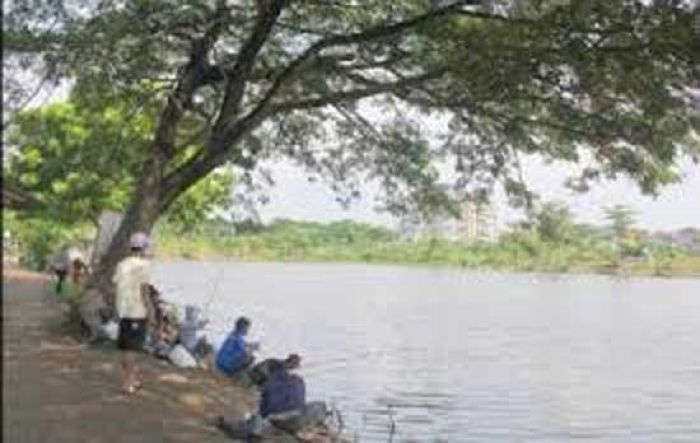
pixel 60 390
pixel 514 257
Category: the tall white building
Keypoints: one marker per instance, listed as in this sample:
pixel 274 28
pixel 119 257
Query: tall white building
pixel 477 222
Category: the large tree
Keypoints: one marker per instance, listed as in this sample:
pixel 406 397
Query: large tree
pixel 343 86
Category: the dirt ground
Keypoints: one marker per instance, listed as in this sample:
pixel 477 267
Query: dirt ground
pixel 59 390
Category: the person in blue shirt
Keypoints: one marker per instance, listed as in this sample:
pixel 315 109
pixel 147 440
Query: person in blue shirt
pixel 236 355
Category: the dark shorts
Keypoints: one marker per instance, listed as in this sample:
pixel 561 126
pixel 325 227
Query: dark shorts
pixel 132 333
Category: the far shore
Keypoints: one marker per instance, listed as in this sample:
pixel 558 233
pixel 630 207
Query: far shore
pixel 687 268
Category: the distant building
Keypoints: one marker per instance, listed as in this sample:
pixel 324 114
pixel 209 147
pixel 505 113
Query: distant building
pixel 687 239
pixel 476 222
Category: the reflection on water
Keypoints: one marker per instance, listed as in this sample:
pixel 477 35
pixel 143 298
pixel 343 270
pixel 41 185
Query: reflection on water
pixel 463 356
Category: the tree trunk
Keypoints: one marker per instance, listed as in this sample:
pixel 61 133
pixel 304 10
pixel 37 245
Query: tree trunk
pixel 140 216
pixel 153 194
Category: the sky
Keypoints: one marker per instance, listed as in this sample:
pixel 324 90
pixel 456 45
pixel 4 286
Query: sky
pixel 676 207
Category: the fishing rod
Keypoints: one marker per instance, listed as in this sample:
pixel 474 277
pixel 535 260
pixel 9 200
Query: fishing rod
pixel 171 289
pixel 215 289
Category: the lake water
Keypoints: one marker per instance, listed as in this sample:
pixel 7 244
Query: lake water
pixel 471 356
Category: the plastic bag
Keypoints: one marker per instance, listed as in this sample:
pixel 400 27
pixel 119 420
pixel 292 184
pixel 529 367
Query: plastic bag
pixel 181 358
pixel 111 330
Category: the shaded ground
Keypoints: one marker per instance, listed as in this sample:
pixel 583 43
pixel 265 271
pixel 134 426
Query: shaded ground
pixel 56 389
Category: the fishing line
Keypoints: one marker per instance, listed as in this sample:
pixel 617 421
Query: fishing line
pixel 337 362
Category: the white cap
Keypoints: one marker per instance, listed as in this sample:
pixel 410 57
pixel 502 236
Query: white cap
pixel 139 240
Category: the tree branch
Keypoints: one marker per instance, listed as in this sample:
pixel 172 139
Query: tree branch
pixel 208 159
pixel 355 94
pixel 227 133
pixel 24 103
pixel 368 130
pixel 268 12
pixel 20 200
pixel 224 134
pixel 496 17
pixel 188 81
pixel 368 35
pixel 213 155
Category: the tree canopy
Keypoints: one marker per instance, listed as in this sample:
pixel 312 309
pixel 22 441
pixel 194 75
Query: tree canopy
pixel 342 87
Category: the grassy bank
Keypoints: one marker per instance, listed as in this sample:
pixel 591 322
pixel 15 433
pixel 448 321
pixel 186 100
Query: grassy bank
pixel 352 242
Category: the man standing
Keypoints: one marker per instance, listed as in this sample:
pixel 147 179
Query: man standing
pixel 132 278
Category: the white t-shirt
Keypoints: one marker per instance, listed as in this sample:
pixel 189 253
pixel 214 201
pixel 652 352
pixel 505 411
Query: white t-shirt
pixel 131 274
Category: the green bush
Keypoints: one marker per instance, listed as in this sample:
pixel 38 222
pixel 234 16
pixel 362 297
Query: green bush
pixel 284 240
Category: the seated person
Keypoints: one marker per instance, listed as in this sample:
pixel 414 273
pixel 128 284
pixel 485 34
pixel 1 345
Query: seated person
pixel 282 391
pixel 283 405
pixel 260 372
pixel 156 308
pixel 193 339
pixel 162 327
pixel 166 336
pixel 236 355
pixel 283 401
pixel 191 335
pixel 204 353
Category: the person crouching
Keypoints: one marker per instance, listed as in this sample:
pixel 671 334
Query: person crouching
pixel 261 371
pixel 283 404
